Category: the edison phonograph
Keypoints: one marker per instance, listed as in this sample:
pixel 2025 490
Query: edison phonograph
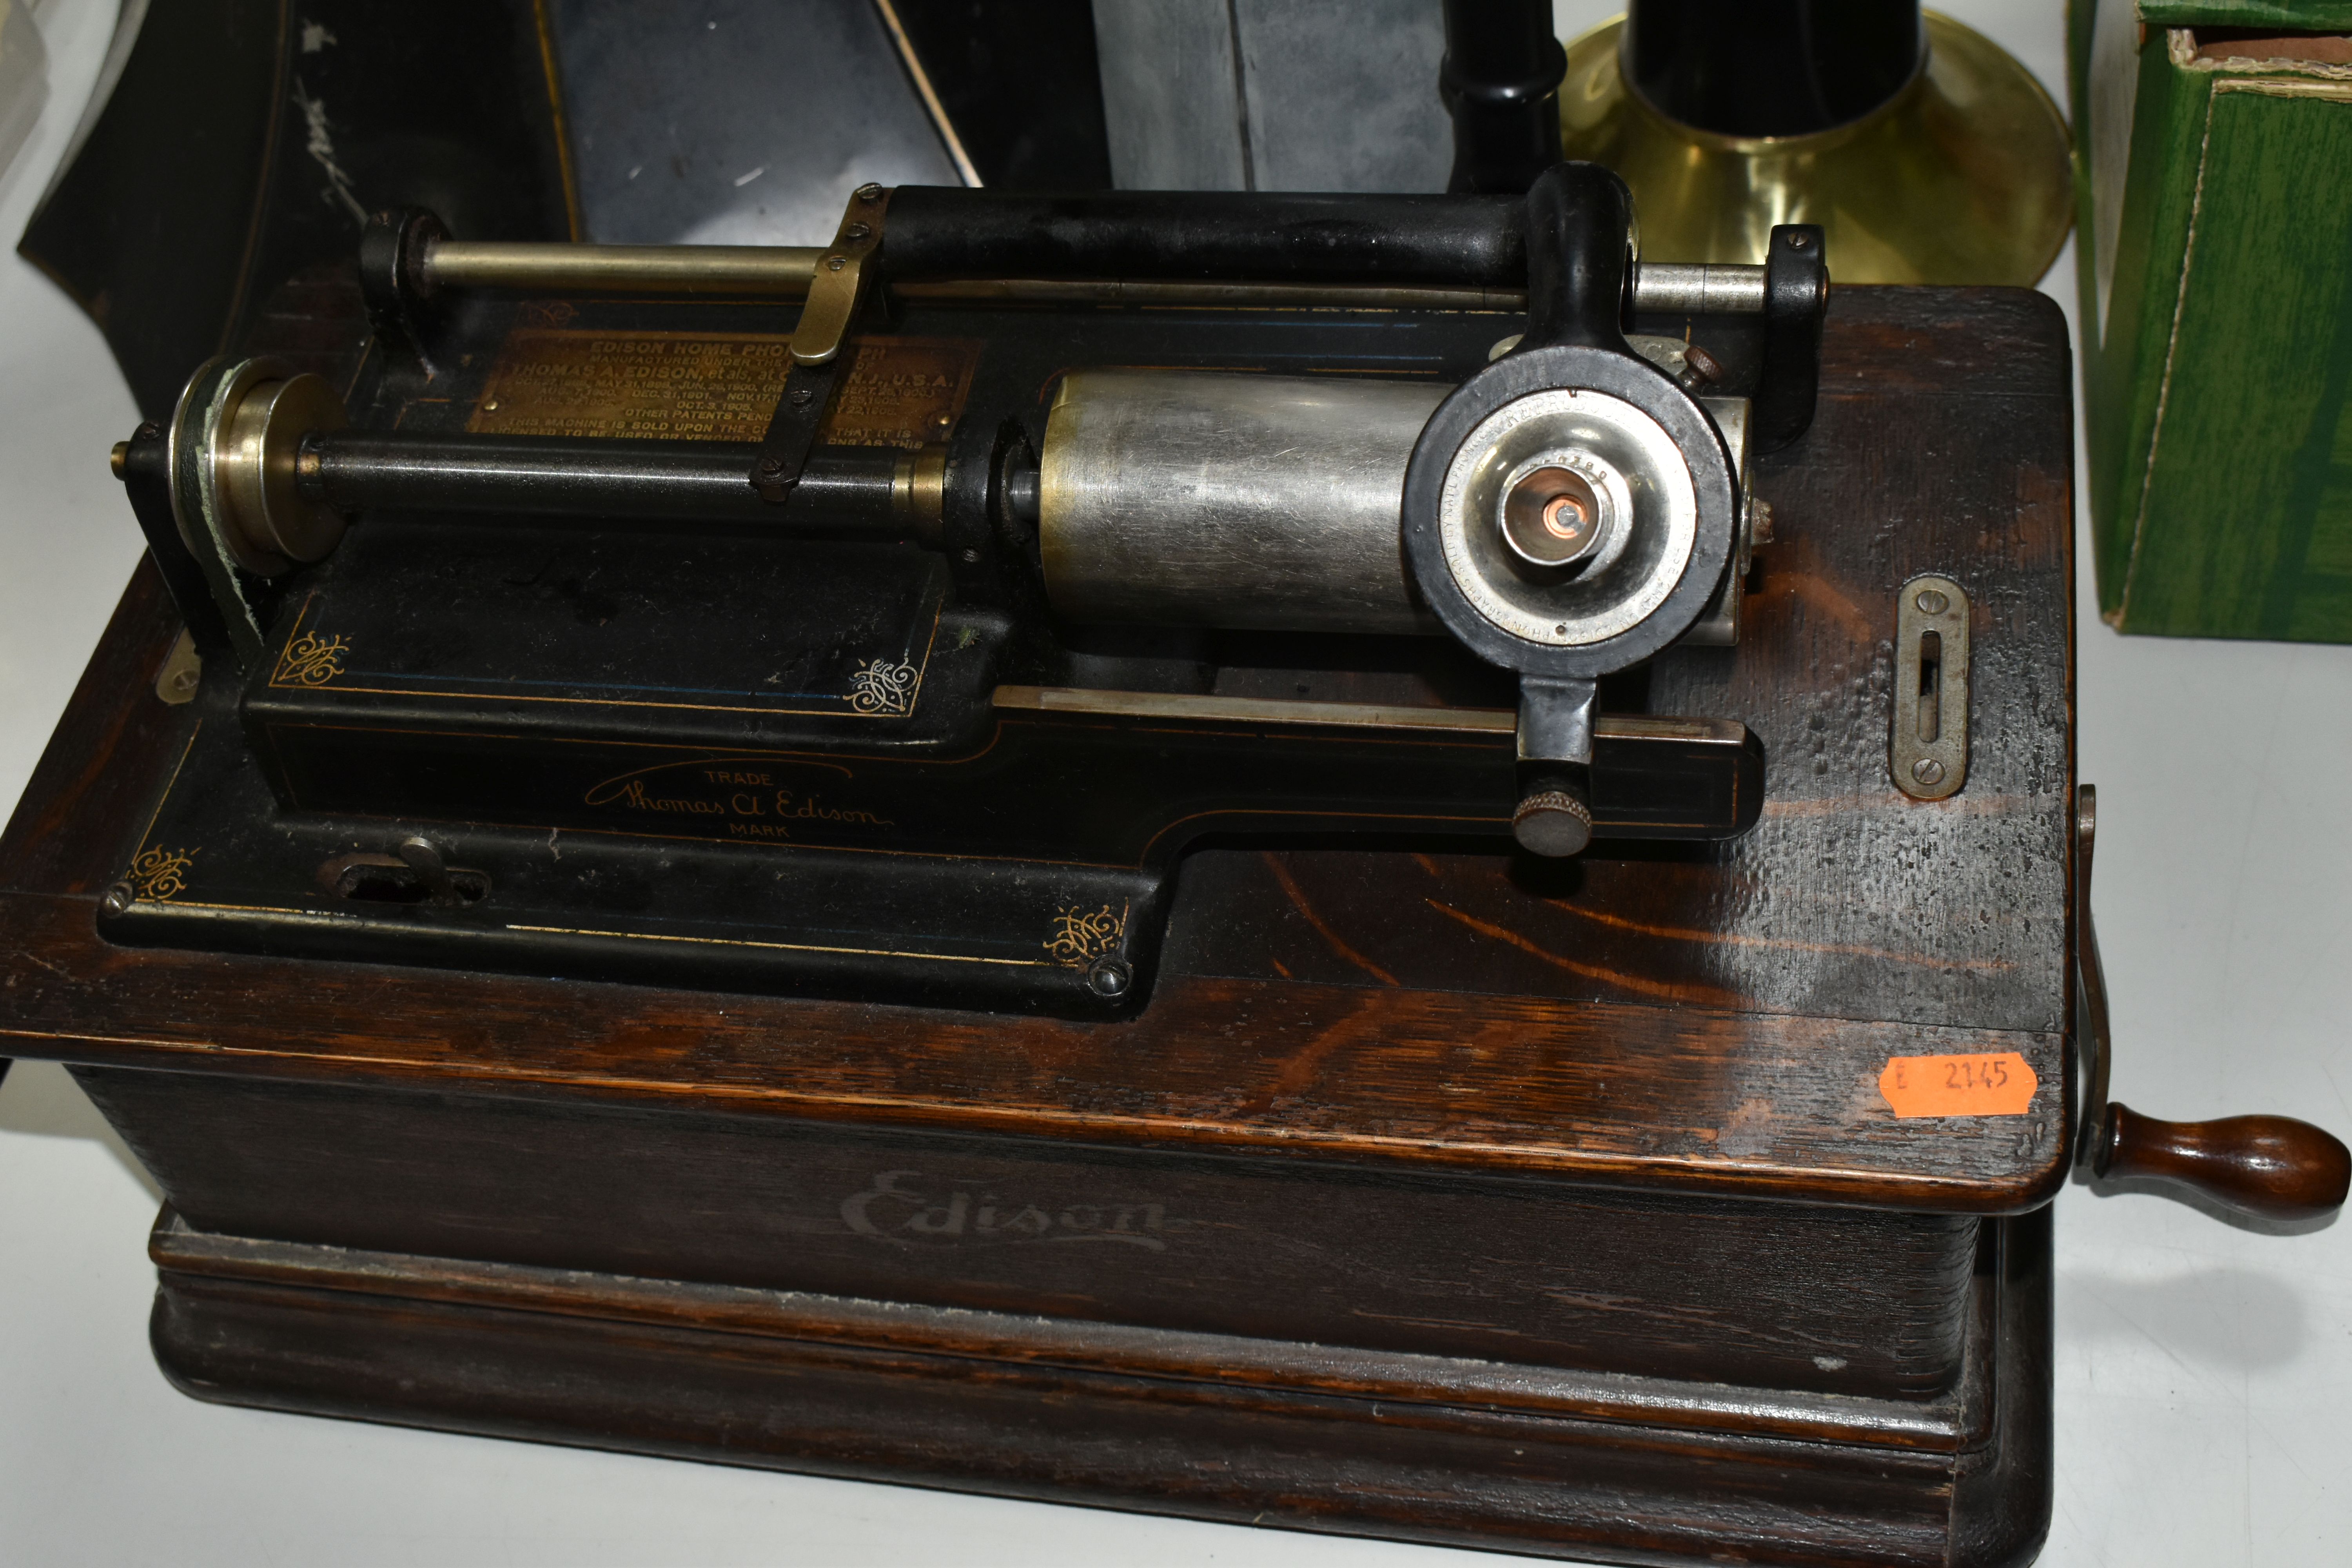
pixel 1365 861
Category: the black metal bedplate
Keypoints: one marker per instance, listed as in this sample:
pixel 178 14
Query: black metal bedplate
pixel 714 753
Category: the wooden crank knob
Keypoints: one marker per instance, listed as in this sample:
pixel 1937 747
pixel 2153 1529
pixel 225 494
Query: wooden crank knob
pixel 2271 1166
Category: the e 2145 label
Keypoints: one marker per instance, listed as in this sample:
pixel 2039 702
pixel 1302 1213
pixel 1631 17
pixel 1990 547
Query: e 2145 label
pixel 1999 1084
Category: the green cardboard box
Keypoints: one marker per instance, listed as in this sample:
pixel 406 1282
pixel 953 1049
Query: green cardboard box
pixel 2213 148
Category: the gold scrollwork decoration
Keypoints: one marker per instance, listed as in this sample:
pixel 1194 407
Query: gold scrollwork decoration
pixel 546 312
pixel 880 687
pixel 1081 936
pixel 310 660
pixel 160 875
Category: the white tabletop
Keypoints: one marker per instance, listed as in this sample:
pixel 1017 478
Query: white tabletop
pixel 2201 1370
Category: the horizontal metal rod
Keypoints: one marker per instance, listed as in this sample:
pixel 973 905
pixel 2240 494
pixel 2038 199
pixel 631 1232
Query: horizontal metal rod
pixel 844 490
pixel 1229 295
pixel 1698 289
pixel 781 272
pixel 764 271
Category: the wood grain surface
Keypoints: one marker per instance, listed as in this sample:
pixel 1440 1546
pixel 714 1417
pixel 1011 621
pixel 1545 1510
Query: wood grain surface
pixel 1509 1268
pixel 1301 1436
pixel 1712 1021
pixel 1942 444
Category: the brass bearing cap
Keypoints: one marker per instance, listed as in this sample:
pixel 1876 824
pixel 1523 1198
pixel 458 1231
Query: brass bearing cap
pixel 253 429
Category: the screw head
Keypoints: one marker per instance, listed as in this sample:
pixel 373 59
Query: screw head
pixel 118 898
pixel 1932 601
pixel 1927 771
pixel 772 464
pixel 800 396
pixel 833 263
pixel 1109 979
pixel 856 231
pixel 869 193
pixel 1552 822
pixel 1799 241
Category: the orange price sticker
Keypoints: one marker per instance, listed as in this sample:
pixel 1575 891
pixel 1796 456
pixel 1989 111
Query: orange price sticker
pixel 1997 1085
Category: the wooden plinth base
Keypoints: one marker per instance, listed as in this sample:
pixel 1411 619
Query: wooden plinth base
pixel 1298 1436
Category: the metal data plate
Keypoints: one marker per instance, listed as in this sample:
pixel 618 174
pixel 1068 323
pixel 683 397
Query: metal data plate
pixel 561 380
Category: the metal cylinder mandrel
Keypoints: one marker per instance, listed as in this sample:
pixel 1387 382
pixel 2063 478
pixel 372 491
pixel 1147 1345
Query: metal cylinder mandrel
pixel 1190 498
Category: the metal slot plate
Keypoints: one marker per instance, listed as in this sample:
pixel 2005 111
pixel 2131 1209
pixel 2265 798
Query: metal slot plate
pixel 1928 751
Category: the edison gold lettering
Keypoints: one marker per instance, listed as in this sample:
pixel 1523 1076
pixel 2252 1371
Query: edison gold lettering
pixel 811 809
pixel 636 797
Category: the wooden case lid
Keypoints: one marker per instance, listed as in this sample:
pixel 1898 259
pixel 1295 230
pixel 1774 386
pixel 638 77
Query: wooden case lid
pixel 1720 1024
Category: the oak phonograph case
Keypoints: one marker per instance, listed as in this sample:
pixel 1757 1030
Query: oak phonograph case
pixel 1363 862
